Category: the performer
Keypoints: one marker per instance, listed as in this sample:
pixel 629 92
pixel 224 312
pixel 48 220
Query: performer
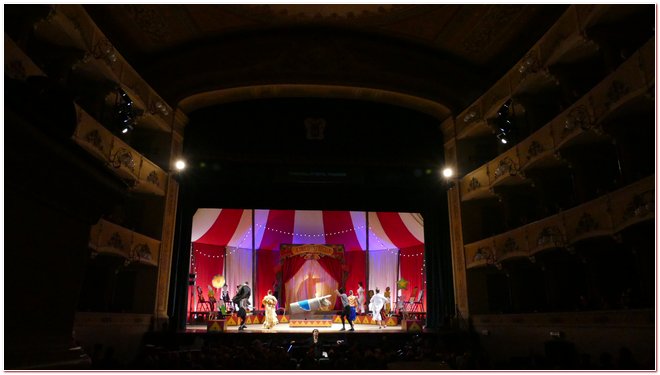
pixel 352 302
pixel 378 301
pixel 276 290
pixel 388 306
pixel 225 294
pixel 270 302
pixel 361 299
pixel 346 311
pixel 242 299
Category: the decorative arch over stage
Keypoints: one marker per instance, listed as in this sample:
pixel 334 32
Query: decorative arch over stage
pixel 261 246
pixel 310 271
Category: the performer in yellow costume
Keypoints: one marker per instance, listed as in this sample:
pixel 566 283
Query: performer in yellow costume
pixel 270 302
pixel 388 306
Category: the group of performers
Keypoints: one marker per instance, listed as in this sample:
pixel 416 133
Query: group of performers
pixel 350 305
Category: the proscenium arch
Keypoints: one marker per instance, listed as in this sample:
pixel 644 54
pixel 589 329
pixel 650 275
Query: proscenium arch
pixel 438 258
pixel 220 96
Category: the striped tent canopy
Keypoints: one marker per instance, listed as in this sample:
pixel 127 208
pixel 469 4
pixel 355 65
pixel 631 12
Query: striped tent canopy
pixel 356 230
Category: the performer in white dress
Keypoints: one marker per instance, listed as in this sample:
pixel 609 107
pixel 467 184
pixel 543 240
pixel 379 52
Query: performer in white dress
pixel 378 301
pixel 361 298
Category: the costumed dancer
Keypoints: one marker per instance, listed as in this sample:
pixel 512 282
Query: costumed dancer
pixel 270 302
pixel 242 299
pixel 361 297
pixel 378 301
pixel 346 311
pixel 353 303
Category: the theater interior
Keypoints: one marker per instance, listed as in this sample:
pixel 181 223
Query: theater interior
pixel 492 165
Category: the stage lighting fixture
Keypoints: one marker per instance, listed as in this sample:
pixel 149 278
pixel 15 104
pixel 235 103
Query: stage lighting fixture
pixel 126 114
pixel 503 122
pixel 127 128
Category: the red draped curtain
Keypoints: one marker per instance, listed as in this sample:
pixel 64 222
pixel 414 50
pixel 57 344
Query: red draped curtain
pixel 267 262
pixel 332 266
pixel 355 266
pixel 208 261
pixel 411 263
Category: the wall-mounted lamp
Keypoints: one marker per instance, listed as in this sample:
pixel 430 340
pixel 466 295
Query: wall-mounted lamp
pixel 180 165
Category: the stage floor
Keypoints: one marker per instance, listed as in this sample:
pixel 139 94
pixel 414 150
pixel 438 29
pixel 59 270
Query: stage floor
pixel 284 328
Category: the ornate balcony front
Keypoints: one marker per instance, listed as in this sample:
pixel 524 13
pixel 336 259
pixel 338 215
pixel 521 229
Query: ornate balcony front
pixel 495 97
pixel 589 220
pixel 633 204
pixel 620 90
pixel 143 175
pixel 546 234
pixel 109 238
pixel 92 136
pixel 145 250
pixel 566 42
pixel 70 26
pixel 505 169
pixel 476 184
pixel 530 75
pixel 512 244
pixel 538 150
pixel 480 253
pixel 576 126
pixel 471 123
pixel 17 64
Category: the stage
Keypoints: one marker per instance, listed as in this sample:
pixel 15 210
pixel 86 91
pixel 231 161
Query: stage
pixel 325 323
pixel 285 328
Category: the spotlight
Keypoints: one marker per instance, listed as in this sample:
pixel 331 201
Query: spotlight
pixel 180 165
pixel 504 122
pixel 127 128
pixel 447 172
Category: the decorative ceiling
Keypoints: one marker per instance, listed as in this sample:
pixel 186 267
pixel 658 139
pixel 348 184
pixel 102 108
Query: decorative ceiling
pixel 449 53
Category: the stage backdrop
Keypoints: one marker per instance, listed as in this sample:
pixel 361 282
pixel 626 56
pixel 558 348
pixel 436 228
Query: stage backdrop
pixel 311 271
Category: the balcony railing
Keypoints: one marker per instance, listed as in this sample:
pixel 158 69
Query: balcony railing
pixel 602 217
pixel 71 26
pixel 580 124
pixel 142 174
pixel 512 244
pixel 546 234
pixel 480 253
pixel 110 238
pixel 476 184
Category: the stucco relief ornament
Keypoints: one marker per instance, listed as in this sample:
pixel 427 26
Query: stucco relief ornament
pixel 153 178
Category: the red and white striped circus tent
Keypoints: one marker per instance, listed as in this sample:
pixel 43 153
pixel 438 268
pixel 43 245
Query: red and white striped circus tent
pixel 244 245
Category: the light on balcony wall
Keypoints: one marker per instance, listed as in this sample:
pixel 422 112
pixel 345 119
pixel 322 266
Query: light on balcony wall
pixel 180 165
pixel 447 172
